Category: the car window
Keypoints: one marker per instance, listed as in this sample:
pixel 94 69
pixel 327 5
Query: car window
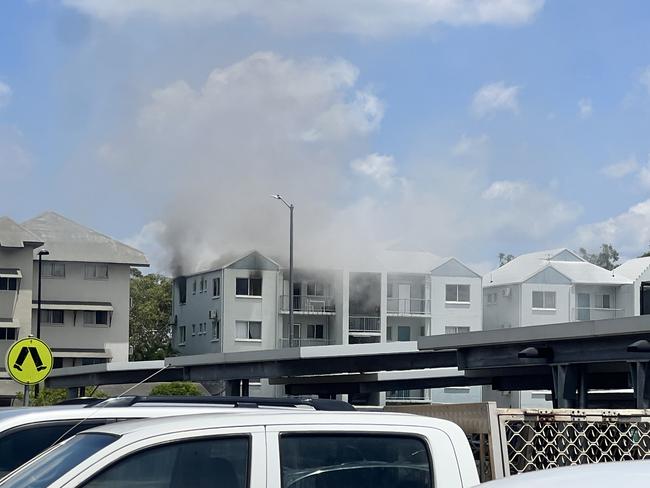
pixel 58 461
pixel 19 445
pixel 216 462
pixel 354 460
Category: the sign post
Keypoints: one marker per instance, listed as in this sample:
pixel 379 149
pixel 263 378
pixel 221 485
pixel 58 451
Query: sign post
pixel 29 361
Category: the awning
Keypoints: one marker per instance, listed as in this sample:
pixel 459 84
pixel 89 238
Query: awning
pixel 83 306
pixel 10 273
pixel 81 354
pixel 10 324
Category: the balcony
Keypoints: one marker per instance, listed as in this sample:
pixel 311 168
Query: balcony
pixel 594 313
pixel 408 306
pixel 364 325
pixel 407 396
pixel 299 342
pixel 308 305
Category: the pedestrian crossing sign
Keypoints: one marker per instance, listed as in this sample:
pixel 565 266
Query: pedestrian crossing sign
pixel 29 361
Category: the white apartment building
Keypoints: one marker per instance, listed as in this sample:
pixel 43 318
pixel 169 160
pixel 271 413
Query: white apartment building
pixel 85 289
pixel 242 304
pixel 548 287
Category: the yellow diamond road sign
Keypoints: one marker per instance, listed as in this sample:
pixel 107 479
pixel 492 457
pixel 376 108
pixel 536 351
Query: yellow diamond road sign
pixel 29 361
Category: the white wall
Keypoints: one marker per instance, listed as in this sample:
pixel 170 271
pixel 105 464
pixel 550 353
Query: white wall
pixel 505 313
pixel 450 314
pixel 563 304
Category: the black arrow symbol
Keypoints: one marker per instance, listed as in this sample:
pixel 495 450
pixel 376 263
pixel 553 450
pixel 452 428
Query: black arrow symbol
pixel 33 352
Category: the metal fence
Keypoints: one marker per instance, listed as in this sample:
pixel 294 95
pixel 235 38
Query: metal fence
pixel 359 323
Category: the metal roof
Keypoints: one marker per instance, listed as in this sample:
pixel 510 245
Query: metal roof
pixel 67 240
pixel 563 260
pixel 634 268
pixel 15 235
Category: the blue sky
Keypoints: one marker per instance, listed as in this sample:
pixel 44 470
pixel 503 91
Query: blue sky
pixel 511 129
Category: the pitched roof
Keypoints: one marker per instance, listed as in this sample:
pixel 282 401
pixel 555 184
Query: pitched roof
pixel 563 260
pixel 67 240
pixel 15 235
pixel 633 268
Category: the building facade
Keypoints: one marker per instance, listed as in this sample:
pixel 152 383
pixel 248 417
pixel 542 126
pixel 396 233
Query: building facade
pixel 243 305
pixel 85 289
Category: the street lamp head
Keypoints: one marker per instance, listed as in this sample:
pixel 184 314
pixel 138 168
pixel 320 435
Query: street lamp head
pixel 277 197
pixel 43 252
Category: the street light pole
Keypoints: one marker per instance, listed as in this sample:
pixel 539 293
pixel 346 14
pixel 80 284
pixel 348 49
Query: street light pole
pixel 41 253
pixel 290 206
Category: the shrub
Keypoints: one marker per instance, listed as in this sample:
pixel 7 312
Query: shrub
pixel 180 388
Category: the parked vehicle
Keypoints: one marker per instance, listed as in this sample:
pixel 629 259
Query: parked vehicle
pixel 25 432
pixel 274 449
pixel 602 475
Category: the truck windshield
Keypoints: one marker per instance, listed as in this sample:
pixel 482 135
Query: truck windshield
pixel 58 461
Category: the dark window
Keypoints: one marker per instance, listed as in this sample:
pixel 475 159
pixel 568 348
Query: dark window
pixel 102 318
pixel 241 286
pixel 20 445
pixel 10 284
pixel 8 334
pixel 59 461
pixel 248 286
pixel 182 289
pixel 216 287
pixel 222 462
pixel 358 460
pixel 256 287
pixel 58 363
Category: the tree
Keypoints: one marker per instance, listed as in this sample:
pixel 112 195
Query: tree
pixel 51 396
pixel 176 388
pixel 151 307
pixel 607 257
pixel 505 258
pixel 645 254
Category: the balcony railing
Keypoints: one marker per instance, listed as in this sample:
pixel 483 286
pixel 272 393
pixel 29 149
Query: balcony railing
pixel 364 324
pixel 595 313
pixel 299 342
pixel 409 306
pixel 407 396
pixel 310 304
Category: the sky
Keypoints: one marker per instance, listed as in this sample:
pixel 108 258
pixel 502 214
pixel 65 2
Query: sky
pixel 459 127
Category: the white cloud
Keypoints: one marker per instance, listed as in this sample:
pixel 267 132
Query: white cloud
pixel 149 239
pixel 495 97
pixel 621 168
pixel 585 108
pixel 645 79
pixel 364 17
pixel 379 167
pixel 470 146
pixel 507 190
pixel 629 231
pixel 15 160
pixel 5 94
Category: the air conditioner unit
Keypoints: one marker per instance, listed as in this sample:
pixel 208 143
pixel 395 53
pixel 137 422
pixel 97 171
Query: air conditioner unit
pixel 506 292
pixel 212 314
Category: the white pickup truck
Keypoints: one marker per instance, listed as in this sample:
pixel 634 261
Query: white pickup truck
pixel 259 449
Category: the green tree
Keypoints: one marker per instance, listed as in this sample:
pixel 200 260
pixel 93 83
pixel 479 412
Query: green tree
pixel 645 254
pixel 607 257
pixel 505 258
pixel 176 388
pixel 51 396
pixel 151 306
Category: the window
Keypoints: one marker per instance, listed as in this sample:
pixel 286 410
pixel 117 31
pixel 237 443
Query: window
pixel 248 330
pixel 248 287
pixel 193 329
pixel 52 316
pixel 182 335
pixel 215 330
pixel 456 329
pixel 51 269
pixel 389 333
pixel 8 334
pixel 201 282
pixel 221 461
pixel 423 331
pixel 9 284
pixel 544 300
pixel 96 271
pixel 403 333
pixel 194 287
pixel 359 460
pixel 99 317
pixel 457 293
pixel 315 331
pixel 216 287
pixel 315 288
pixel 604 301
pixel 491 298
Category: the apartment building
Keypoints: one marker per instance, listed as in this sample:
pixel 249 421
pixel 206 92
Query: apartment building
pixel 552 286
pixel 242 304
pixel 85 289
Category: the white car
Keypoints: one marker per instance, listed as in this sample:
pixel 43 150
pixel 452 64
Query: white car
pixel 601 475
pixel 25 432
pixel 259 449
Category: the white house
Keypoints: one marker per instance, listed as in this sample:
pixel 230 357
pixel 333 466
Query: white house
pixel 242 304
pixel 638 298
pixel 85 289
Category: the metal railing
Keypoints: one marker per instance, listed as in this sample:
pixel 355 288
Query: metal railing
pixel 406 396
pixel 360 323
pixel 408 306
pixel 299 342
pixel 308 304
pixel 595 313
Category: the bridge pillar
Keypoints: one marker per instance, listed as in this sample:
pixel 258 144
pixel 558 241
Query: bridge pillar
pixel 640 373
pixel 233 387
pixel 566 380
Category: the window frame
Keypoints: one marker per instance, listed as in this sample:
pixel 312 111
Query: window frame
pixel 248 328
pixel 52 266
pixel 182 334
pixel 8 284
pixel 457 300
pixel 216 332
pixel 216 287
pixel 94 267
pixel 95 323
pixel 456 327
pixel 5 337
pixel 544 306
pixel 248 287
pixel 49 314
